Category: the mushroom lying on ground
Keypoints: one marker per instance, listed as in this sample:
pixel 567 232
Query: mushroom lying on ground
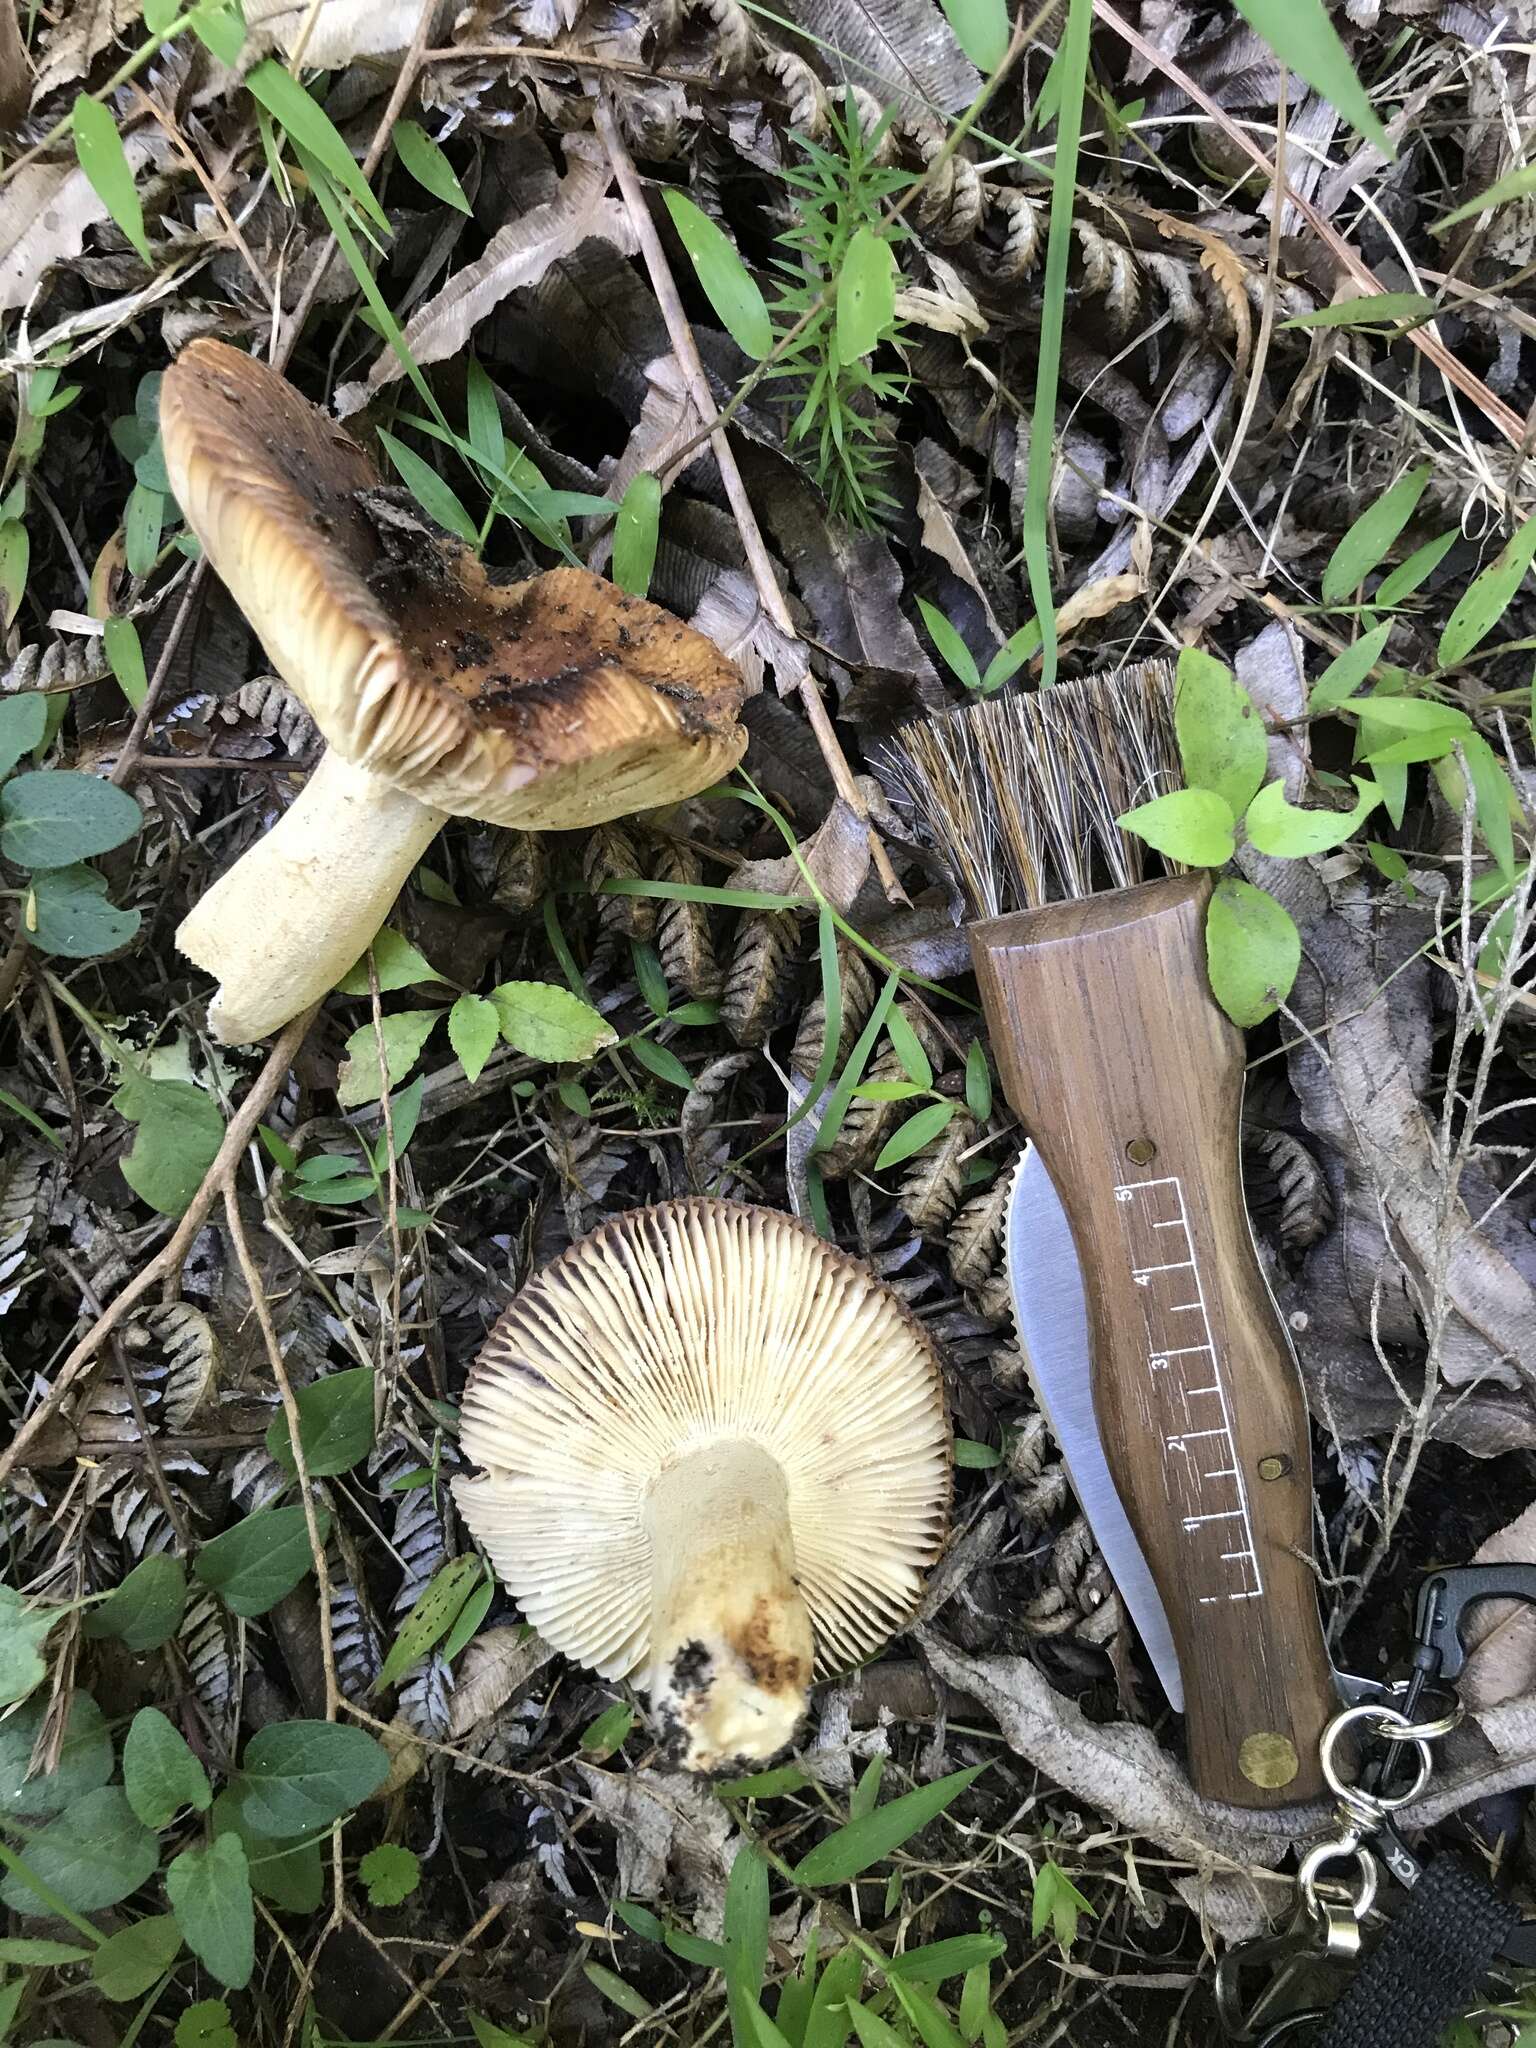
pixel 552 704
pixel 715 1449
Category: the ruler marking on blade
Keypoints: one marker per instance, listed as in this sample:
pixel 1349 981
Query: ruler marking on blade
pixel 1139 1198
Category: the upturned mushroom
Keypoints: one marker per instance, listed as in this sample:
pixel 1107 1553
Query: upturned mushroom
pixel 715 1454
pixel 551 704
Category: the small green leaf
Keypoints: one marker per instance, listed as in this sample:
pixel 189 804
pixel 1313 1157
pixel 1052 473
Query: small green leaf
pixel 981 30
pixel 427 164
pixel 92 1856
pixel 1275 826
pixel 763 1784
pixel 974 1457
pixel 1371 309
pixel 908 1048
pixel 661 1061
pixel 1347 671
pixel 1221 736
pixel 866 295
pixel 746 1932
pixel 85 1759
pixel 850 1850
pixel 52 818
pixel 1253 950
pixel 915 1133
pixel 23 722
pixel 723 277
pixel 610 1731
pixel 42 1955
pixel 548 1023
pixel 143 526
pixel 396 963
pixel 297 1776
pixel 1513 185
pixel 128 1962
pixel 210 1890
pixel 391 1873
pixel 22 1630
pixel 1370 537
pixel 206 2025
pixel 617 1992
pixel 72 918
pixel 287 1872
pixel 252 1565
pixel 125 657
pixel 178 1137
pixel 335 1424
pixel 437 499
pixel 941 1959
pixel 954 653
pixel 220 28
pixel 1190 825
pixel 430 1619
pixel 1497 806
pixel 309 125
pixel 99 148
pixel 473 1029
pixel 483 417
pixel 1483 603
pixel 635 534
pixel 470 1616
pixel 160 1773
pixel 361 1078
pixel 649 978
pixel 15 561
pixel 1422 563
pixel 888 1091
pixel 146 1609
pixel 1057 1903
pixel 978 1081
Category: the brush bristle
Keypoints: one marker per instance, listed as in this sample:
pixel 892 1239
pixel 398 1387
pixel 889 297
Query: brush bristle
pixel 1020 793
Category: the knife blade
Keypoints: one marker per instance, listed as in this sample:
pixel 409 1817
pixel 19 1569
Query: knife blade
pixel 1050 1312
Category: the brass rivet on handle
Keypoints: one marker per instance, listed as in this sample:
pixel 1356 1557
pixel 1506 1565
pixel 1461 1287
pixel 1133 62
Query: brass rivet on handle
pixel 1141 1151
pixel 1268 1759
pixel 1276 1467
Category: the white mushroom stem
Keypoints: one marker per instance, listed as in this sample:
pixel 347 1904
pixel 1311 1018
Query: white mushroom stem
pixel 292 915
pixel 731 1641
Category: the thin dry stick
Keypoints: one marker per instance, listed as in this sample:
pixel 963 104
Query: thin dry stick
pixel 285 1391
pixel 168 1260
pixel 419 1998
pixel 684 347
pixel 1508 422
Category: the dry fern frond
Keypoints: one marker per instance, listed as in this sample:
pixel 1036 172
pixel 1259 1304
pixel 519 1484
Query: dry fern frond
pixel 683 939
pixel 934 1179
pixel 175 1348
pixel 758 987
pixel 1021 240
pixel 858 989
pixel 520 871
pixel 611 855
pixel 1178 289
pixel 706 1148
pixel 951 201
pixel 1080 1600
pixel 1306 1205
pixel 975 1240
pixel 804 95
pixel 1035 1472
pixel 1109 271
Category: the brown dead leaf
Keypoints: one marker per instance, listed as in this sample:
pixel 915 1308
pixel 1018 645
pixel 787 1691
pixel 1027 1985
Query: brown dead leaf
pixel 342 30
pixel 1097 601
pixel 731 614
pixel 517 255
pixel 15 74
pixel 1502 1665
pixel 836 854
pixel 494 1665
pixel 79 40
pixel 44 213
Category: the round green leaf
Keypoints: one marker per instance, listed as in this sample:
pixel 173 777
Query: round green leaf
pixel 391 1873
pixel 128 1962
pixel 1275 826
pixel 288 1874
pixel 866 295
pixel 252 1565
pixel 93 1855
pixel 72 917
pixel 724 279
pixel 23 722
pixel 1252 950
pixel 1222 742
pixel 179 1133
pixel 146 1609
pixel 160 1773
pixel 210 1891
pixel 22 1632
pixel 335 1424
pixel 404 1034
pixel 549 1023
pixel 52 818
pixel 1194 826
pixel 85 1761
pixel 206 2025
pixel 297 1776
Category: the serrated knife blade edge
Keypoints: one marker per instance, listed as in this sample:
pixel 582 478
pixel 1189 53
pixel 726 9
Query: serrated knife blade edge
pixel 1050 1313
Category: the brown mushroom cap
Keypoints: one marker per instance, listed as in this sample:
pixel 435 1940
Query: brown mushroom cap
pixel 673 1329
pixel 549 704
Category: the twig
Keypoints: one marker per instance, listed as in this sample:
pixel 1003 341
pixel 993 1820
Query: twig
pixel 685 348
pixel 419 1998
pixel 168 1260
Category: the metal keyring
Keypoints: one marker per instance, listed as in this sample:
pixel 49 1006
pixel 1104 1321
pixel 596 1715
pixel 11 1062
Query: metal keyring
pixel 1386 1721
pixel 1428 1731
pixel 1339 1852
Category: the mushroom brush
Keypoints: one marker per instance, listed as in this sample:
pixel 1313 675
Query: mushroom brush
pixel 551 704
pixel 715 1457
pixel 1141 1304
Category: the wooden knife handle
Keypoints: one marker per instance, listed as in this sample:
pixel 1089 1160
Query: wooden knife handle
pixel 1129 1079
